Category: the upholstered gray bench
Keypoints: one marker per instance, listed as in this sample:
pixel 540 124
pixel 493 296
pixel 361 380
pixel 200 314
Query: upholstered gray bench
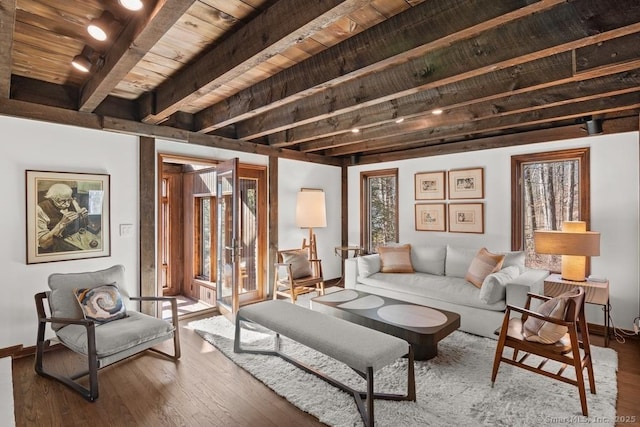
pixel 362 349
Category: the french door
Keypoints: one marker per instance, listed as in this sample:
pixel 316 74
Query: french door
pixel 229 249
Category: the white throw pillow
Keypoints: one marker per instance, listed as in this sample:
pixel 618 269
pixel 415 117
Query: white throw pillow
pixel 429 259
pixel 458 261
pixel 368 265
pixel 515 258
pixel 494 286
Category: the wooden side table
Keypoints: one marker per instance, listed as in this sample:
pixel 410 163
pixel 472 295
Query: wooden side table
pixel 596 293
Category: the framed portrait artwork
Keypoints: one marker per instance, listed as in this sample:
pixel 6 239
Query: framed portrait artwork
pixel 430 185
pixel 466 218
pixel 431 217
pixel 67 216
pixel 466 183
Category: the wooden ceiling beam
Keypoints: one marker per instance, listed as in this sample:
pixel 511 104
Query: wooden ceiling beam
pixel 283 25
pixel 509 104
pixel 446 21
pixel 602 105
pixel 554 70
pixel 7 25
pixel 495 49
pixel 28 110
pixel 626 124
pixel 131 46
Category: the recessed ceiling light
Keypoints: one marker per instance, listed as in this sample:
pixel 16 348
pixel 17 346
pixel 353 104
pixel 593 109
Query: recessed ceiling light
pixel 400 120
pixel 355 130
pixel 99 27
pixel 437 111
pixel 131 4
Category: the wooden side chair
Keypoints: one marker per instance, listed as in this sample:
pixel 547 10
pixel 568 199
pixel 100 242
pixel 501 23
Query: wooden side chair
pixel 296 274
pixel 558 331
pixel 88 315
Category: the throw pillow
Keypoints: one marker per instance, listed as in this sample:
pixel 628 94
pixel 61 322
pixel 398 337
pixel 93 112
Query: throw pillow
pixel 515 258
pixel 458 260
pixel 395 259
pixel 429 259
pixel 494 286
pixel 101 304
pixel 368 265
pixel 541 331
pixel 482 265
pixel 299 260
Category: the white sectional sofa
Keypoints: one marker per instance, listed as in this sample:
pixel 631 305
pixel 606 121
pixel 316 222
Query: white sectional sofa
pixel 438 281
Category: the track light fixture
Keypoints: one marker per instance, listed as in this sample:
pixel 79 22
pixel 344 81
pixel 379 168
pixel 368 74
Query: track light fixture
pixel 131 4
pixel 593 126
pixel 83 61
pixel 100 28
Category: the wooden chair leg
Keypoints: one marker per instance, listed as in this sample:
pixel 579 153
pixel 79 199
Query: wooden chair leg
pixel 499 349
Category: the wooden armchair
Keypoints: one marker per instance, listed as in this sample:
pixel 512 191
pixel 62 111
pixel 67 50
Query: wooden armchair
pixel 89 317
pixel 296 274
pixel 542 334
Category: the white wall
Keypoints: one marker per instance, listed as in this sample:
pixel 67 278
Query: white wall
pixel 28 144
pixel 614 209
pixel 37 145
pixel 294 175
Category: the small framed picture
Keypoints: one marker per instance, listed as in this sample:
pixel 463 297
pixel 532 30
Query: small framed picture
pixel 67 216
pixel 430 185
pixel 431 217
pixel 466 218
pixel 466 184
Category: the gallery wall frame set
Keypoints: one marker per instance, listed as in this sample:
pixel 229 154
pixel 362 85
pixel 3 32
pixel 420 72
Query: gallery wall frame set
pixel 68 216
pixel 463 184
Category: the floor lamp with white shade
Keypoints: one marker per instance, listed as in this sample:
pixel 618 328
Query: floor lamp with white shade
pixel 311 213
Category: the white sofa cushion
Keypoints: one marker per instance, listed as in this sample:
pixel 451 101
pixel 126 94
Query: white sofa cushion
pixel 494 286
pixel 454 290
pixel 429 259
pixel 458 260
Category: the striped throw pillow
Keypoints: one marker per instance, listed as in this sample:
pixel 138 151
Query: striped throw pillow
pixel 483 265
pixel 395 259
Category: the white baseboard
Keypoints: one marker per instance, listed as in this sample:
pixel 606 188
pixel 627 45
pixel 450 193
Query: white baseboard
pixel 7 417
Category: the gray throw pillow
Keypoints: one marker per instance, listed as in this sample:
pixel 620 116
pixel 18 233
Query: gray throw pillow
pixel 299 260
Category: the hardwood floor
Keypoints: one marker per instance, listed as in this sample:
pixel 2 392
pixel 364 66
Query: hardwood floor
pixel 204 389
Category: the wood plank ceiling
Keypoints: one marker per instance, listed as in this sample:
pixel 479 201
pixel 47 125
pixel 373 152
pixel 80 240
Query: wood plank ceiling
pixel 336 82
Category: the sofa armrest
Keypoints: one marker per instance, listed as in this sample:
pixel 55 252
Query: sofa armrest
pixel 350 272
pixel 531 280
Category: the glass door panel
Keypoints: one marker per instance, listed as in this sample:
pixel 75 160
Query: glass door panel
pixel 229 248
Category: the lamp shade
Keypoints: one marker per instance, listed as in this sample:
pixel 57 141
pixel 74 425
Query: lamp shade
pixel 585 243
pixel 310 209
pixel 574 243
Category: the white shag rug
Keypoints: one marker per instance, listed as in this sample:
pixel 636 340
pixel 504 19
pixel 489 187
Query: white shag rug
pixel 453 389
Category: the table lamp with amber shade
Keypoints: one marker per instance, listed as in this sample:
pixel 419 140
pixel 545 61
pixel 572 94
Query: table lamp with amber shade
pixel 574 243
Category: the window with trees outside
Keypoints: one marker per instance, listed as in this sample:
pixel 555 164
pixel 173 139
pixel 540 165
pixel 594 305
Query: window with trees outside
pixel 378 208
pixel 547 189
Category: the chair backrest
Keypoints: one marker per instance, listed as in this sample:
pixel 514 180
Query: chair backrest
pixel 299 260
pixel 575 305
pixel 62 300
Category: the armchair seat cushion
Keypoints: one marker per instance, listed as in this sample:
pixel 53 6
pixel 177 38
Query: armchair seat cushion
pixel 117 336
